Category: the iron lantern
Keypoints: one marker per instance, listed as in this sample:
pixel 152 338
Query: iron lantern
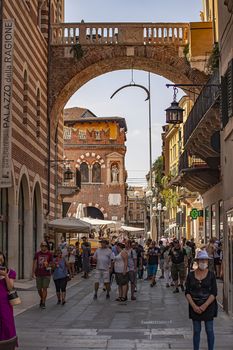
pixel 68 174
pixel 174 114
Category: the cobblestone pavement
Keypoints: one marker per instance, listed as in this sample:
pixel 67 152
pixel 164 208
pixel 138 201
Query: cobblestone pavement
pixel 157 320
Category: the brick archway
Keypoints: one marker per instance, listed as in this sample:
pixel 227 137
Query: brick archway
pixel 68 74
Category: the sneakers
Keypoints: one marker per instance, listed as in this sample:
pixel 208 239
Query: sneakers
pixel 182 287
pixel 95 296
pixel 167 285
pixel 176 290
pixel 58 302
pixel 63 303
pixel 107 296
pixel 133 298
pixel 43 306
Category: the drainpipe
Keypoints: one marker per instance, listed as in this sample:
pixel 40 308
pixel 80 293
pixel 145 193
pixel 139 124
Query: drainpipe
pixel 213 21
pixel 48 116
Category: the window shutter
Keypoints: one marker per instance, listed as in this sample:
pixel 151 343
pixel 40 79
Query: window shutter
pixel 78 178
pixel 224 100
pixel 229 77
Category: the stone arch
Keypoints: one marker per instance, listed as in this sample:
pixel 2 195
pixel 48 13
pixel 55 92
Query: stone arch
pixel 24 217
pixel 97 207
pixel 37 212
pixel 84 157
pixel 162 60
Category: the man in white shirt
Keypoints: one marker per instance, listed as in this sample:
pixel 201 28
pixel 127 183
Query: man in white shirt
pixel 104 262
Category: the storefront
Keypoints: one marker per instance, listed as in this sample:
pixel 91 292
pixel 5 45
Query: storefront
pixel 229 262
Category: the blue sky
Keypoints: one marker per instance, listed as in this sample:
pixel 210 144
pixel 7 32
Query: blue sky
pixel 130 104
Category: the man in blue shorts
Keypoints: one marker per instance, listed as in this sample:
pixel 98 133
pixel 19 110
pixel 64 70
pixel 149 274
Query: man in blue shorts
pixel 153 261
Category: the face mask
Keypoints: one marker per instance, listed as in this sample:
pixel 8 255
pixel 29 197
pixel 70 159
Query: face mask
pixel 202 266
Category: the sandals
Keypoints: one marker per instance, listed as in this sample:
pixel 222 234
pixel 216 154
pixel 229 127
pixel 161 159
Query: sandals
pixel 120 299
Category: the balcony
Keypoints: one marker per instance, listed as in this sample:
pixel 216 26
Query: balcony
pixel 195 174
pixel 120 34
pixel 203 124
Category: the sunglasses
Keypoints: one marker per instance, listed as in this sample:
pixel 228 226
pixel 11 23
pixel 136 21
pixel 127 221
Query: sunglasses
pixel 43 245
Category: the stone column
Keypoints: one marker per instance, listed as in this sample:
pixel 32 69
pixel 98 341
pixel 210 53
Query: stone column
pixel 13 237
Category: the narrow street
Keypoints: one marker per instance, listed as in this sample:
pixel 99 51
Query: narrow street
pixel 157 320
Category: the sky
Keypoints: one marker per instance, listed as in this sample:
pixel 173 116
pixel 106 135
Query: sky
pixel 130 103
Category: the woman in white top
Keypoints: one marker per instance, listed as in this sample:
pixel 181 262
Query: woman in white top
pixel 121 271
pixel 70 258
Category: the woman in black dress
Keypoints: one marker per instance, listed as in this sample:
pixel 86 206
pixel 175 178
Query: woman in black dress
pixel 201 292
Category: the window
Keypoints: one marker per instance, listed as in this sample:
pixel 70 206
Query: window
pixel 96 173
pixel 213 220
pixel 131 205
pixel 84 172
pixel 25 97
pixel 82 135
pixel 67 133
pixel 97 135
pixel 227 94
pixel 207 224
pixel 220 220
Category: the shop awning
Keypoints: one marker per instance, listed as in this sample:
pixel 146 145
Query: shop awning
pixel 98 222
pixel 132 228
pixel 70 225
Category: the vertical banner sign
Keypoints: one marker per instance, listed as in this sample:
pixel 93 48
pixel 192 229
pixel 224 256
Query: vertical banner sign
pixel 6 102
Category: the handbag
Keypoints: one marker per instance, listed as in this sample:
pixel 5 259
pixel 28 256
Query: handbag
pixel 13 297
pixel 200 300
pixel 68 278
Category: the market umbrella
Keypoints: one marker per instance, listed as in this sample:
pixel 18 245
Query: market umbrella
pixel 70 225
pixel 154 233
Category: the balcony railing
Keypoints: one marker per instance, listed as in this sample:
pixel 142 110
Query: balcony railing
pixel 190 162
pixel 119 33
pixel 208 96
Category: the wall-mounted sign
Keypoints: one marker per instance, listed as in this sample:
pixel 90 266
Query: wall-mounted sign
pixel 6 101
pixel 195 213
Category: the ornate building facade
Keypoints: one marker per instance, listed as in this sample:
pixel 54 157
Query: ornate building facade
pixel 96 148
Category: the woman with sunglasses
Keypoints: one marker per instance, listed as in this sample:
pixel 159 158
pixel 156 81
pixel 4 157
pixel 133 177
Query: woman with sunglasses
pixel 41 269
pixel 60 276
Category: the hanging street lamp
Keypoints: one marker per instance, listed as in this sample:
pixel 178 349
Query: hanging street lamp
pixel 174 114
pixel 68 174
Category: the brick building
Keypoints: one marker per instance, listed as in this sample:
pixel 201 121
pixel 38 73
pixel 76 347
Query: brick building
pixel 26 181
pixel 136 207
pixel 96 146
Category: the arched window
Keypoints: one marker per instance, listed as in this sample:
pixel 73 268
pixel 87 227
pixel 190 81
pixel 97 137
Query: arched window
pixel 21 242
pixel 25 97
pixel 38 113
pixel 84 172
pixel 43 17
pixel 96 173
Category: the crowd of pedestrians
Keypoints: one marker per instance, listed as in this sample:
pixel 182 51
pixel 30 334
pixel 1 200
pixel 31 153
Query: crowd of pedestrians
pixel 182 265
